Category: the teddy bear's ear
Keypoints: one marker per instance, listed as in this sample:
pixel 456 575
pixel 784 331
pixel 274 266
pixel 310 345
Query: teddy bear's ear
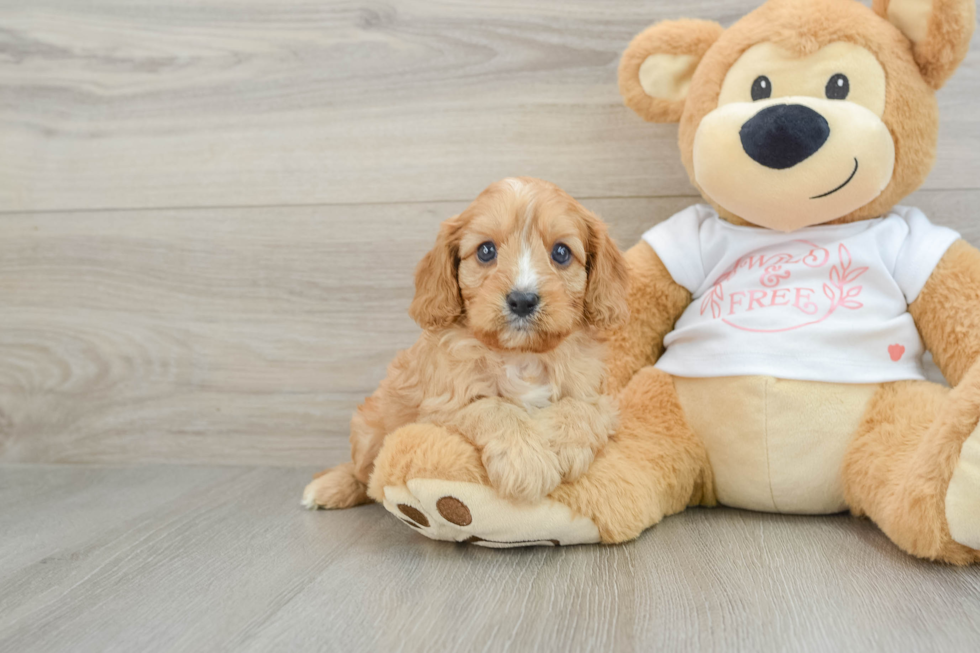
pixel 940 32
pixel 656 69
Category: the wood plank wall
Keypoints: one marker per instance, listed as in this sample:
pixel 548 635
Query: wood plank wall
pixel 210 211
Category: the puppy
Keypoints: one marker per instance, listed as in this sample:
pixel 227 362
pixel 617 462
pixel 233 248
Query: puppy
pixel 512 301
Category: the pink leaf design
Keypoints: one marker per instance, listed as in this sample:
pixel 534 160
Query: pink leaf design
pixel 835 275
pixel 845 256
pixel 854 274
pixel 854 292
pixel 828 291
pixel 850 303
pixel 712 299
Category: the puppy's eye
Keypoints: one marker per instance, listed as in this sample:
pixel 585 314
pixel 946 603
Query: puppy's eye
pixel 486 252
pixel 761 88
pixel 560 254
pixel 838 87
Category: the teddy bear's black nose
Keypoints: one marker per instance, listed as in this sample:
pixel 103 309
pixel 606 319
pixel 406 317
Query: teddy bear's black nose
pixel 783 135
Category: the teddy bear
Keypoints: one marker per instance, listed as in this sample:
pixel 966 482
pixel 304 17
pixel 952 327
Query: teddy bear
pixel 772 360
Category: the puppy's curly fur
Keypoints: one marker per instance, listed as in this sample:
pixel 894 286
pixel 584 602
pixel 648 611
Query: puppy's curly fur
pixel 526 389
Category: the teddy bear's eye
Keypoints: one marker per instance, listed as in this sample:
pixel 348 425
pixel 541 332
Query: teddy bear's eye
pixel 761 88
pixel 837 87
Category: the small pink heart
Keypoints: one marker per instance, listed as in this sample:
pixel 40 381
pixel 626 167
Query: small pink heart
pixel 896 352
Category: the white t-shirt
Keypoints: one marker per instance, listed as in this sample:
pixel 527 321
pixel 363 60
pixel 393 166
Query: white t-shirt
pixel 825 303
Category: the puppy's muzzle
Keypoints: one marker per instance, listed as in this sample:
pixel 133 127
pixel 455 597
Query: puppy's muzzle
pixel 784 135
pixel 522 304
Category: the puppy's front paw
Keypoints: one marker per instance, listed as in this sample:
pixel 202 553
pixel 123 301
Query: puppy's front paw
pixel 576 430
pixel 524 472
pixel 335 488
pixel 574 461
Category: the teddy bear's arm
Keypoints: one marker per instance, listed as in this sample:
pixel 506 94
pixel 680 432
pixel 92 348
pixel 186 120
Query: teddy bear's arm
pixel 655 303
pixel 947 311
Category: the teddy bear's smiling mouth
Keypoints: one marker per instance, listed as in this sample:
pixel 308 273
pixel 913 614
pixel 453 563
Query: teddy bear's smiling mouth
pixel 831 192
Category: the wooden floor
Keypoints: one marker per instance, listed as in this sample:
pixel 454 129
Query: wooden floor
pixel 174 558
pixel 209 215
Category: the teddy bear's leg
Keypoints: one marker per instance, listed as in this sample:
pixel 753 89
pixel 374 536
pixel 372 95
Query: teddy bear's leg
pixel 425 451
pixel 433 480
pixel 914 468
pixel 652 467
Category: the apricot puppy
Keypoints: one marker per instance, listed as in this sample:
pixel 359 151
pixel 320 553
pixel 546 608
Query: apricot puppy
pixel 512 300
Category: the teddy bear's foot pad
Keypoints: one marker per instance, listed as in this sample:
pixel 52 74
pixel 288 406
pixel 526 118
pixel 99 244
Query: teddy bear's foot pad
pixel 474 514
pixel 963 495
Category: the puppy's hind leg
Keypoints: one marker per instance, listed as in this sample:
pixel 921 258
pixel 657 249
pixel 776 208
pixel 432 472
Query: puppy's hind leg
pixel 334 489
pixel 345 486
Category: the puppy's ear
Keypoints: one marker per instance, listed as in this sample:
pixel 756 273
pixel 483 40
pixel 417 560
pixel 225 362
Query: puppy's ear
pixel 940 32
pixel 437 302
pixel 656 69
pixel 608 282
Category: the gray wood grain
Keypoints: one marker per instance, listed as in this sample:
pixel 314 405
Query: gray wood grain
pixel 226 336
pixel 248 102
pixel 172 558
pixel 337 135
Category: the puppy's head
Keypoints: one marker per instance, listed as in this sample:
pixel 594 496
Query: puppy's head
pixel 523 266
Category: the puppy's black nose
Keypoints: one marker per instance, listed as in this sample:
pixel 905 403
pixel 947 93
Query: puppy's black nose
pixel 783 135
pixel 522 304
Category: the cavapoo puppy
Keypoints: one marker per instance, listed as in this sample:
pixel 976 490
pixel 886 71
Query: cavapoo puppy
pixel 512 300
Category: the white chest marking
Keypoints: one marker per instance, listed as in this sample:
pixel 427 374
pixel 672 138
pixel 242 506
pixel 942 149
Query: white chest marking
pixel 525 379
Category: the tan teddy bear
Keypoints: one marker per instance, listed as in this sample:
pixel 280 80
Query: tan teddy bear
pixel 772 360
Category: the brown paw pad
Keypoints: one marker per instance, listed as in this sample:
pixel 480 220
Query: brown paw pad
pixel 414 514
pixel 454 511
